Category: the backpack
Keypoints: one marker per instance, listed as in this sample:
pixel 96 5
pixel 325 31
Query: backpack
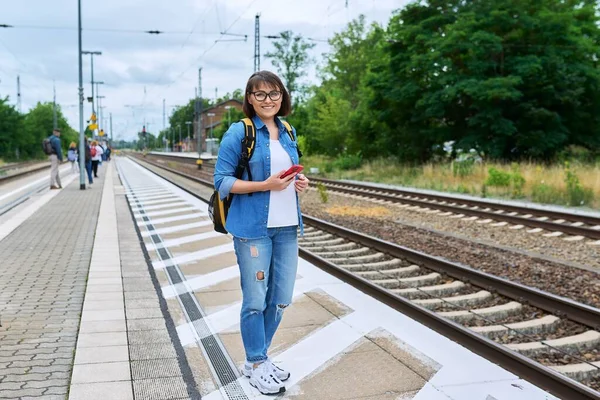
pixel 217 208
pixel 71 155
pixel 47 146
pixel 93 151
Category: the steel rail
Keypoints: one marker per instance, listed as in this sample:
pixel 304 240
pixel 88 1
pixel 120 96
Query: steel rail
pixel 513 219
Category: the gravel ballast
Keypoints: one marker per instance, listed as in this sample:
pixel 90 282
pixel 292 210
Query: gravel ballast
pixel 453 239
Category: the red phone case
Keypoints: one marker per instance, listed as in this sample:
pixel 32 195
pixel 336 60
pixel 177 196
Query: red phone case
pixel 294 168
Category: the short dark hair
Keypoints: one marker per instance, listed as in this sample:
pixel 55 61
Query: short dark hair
pixel 272 80
pixel 56 130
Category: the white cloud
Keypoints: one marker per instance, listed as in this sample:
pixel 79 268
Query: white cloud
pixel 166 65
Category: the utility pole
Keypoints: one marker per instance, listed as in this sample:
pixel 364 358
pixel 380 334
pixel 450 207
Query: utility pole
pixel 81 133
pixel 200 135
pixel 99 108
pixel 164 115
pixel 92 54
pixel 257 43
pixel 110 115
pixel 19 93
pixel 216 95
pixel 54 122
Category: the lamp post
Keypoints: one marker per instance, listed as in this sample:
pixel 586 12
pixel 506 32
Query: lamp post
pixel 228 108
pixel 98 97
pixel 210 115
pixel 81 135
pixel 92 54
pixel 188 123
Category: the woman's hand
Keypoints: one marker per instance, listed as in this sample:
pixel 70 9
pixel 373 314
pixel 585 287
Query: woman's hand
pixel 276 183
pixel 301 183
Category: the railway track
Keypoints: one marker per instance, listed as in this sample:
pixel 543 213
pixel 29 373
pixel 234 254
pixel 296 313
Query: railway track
pixel 539 336
pixel 27 169
pixel 555 223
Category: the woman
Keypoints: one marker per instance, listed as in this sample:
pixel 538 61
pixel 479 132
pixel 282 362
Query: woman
pixel 96 152
pixel 263 218
pixel 72 157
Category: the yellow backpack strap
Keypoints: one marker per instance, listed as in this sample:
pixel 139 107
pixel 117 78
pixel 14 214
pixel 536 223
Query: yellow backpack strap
pixel 289 130
pixel 249 142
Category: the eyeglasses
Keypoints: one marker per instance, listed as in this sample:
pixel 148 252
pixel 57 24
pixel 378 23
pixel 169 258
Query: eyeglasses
pixel 274 95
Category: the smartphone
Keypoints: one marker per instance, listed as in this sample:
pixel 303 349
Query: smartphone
pixel 294 168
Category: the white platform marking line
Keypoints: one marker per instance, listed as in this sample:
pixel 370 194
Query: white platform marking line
pixel 186 239
pixel 152 202
pixel 178 228
pixel 147 192
pixel 160 213
pixel 200 282
pixel 179 192
pixel 173 219
pixel 34 183
pixel 13 223
pixel 195 256
pixel 181 203
pixel 153 197
pixel 145 189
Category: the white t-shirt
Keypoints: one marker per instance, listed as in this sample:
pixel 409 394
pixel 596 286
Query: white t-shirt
pixel 282 206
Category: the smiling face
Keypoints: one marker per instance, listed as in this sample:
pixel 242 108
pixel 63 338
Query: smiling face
pixel 266 109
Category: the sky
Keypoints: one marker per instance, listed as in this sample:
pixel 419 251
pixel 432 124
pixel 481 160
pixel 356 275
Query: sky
pixel 139 70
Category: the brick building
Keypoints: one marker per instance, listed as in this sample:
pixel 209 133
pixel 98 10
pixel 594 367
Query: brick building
pixel 214 116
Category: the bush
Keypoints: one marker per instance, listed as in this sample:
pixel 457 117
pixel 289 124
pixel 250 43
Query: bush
pixel 347 162
pixel 498 178
pixel 546 194
pixel 463 168
pixel 577 195
pixel 517 181
pixel 322 192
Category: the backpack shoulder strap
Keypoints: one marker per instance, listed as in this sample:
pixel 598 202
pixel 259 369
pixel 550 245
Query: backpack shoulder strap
pixel 248 146
pixel 249 141
pixel 289 130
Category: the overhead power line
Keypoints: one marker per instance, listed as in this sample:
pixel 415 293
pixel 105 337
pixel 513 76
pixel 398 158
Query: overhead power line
pixel 114 30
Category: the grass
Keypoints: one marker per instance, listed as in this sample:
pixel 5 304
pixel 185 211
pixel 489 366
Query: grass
pixel 529 181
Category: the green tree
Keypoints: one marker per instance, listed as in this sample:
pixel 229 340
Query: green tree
pixel 37 125
pixel 10 123
pixel 511 78
pixel 291 59
pixel 342 102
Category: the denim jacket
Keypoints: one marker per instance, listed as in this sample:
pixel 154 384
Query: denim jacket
pixel 248 215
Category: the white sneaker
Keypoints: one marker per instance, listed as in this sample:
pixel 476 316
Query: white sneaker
pixel 280 373
pixel 264 379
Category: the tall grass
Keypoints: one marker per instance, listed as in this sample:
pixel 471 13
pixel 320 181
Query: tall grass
pixel 542 183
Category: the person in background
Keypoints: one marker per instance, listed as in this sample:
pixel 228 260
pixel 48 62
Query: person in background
pixel 72 157
pixel 108 152
pixel 88 160
pixel 55 159
pixel 96 152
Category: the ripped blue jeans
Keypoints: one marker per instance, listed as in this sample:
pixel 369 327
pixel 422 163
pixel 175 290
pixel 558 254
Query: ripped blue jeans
pixel 268 268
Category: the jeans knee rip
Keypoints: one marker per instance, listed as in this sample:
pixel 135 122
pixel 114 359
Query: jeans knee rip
pixel 260 276
pixel 253 251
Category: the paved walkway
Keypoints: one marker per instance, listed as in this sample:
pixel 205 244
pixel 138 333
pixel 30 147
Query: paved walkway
pixel 45 263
